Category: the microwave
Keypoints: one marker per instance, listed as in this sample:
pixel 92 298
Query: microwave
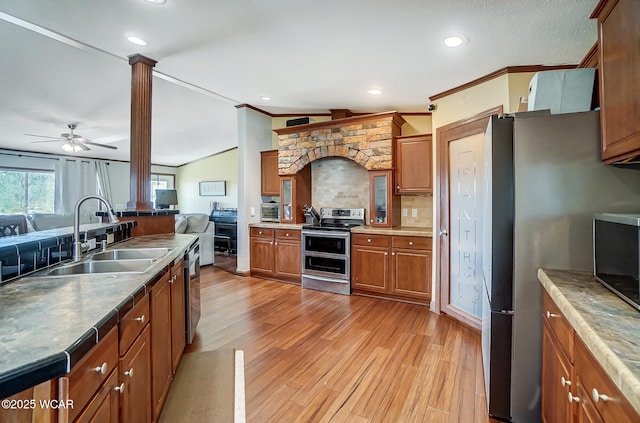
pixel 616 254
pixel 270 212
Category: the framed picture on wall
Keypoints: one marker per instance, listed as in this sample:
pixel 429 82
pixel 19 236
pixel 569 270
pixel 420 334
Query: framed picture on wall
pixel 213 188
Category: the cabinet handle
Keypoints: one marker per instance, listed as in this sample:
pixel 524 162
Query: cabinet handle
pixel 140 319
pixel 101 369
pixel 410 242
pixel 368 239
pixel 271 243
pixel 397 186
pixel 386 253
pixel 550 314
pixel 259 232
pixel 564 381
pixel 287 234
pixel 275 243
pixel 172 279
pixel 598 396
pixel 119 388
pixel 129 372
pixel 572 398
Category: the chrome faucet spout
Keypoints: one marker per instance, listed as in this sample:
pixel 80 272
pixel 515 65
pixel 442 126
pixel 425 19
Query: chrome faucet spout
pixel 77 243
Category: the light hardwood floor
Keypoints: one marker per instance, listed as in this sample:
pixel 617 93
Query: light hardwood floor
pixel 312 356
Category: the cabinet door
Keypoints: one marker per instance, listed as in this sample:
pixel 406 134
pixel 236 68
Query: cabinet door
pixel 288 258
pixel 262 255
pixel 370 268
pixel 411 272
pixel 555 368
pixel 413 165
pixel 178 316
pixel 382 200
pixel 161 370
pixel 269 173
pixel 135 373
pixel 105 405
pixel 619 52
pixel 586 411
pixel 287 199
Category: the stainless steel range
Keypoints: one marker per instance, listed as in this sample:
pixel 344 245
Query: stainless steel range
pixel 326 250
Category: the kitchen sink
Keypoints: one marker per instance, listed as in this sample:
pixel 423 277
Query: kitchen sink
pixel 103 266
pixel 132 254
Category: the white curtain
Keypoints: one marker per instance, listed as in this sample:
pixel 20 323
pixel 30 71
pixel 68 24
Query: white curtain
pixel 75 178
pixel 104 183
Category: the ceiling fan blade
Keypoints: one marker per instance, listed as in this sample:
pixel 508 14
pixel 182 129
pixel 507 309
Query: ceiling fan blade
pixel 37 142
pixel 84 147
pixel 86 141
pixel 43 136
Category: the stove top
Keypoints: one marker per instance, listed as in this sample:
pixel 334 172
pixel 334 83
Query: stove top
pixel 333 219
pixel 224 215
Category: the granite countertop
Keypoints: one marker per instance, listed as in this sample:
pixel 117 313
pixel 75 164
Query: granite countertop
pixel 276 225
pixel 401 230
pixel 47 323
pixel 608 326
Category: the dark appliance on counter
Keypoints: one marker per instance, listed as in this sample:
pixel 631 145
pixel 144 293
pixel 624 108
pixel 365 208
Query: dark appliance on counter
pixel 225 233
pixel 616 254
pixel 192 289
pixel 326 250
pixel 543 182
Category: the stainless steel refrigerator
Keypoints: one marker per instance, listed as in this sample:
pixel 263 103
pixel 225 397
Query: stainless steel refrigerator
pixel 543 182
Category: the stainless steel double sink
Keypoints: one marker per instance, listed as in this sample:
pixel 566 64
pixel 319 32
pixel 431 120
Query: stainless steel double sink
pixel 124 260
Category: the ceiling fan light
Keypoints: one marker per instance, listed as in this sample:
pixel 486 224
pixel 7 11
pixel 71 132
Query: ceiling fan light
pixel 68 147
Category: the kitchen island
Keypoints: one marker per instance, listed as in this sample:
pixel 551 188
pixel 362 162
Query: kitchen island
pixel 608 329
pixel 49 323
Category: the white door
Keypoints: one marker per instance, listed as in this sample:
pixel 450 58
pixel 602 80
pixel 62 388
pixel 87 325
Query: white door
pixel 466 176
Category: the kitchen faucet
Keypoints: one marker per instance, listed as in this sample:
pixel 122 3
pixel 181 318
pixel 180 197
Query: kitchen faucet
pixel 77 244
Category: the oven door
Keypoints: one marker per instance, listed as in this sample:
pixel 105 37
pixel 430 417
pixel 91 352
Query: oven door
pixel 325 265
pixel 325 242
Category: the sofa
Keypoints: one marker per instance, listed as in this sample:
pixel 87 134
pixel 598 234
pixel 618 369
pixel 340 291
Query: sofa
pixel 198 224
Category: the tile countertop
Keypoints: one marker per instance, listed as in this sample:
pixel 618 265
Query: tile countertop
pixel 401 230
pixel 48 323
pixel 608 326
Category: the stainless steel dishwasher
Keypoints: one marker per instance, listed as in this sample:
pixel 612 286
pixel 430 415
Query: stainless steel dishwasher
pixel 192 288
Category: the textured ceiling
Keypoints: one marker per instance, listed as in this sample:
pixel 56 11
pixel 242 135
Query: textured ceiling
pixel 307 56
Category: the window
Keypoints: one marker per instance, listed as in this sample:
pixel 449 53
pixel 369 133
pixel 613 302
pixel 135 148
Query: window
pixel 26 191
pixel 161 181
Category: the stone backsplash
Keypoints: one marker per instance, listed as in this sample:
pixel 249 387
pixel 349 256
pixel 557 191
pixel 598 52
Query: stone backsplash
pixel 366 140
pixel 339 182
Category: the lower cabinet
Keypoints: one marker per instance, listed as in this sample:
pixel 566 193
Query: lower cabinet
pixel 161 368
pixel 276 254
pixel 575 388
pixel 105 405
pixel 178 317
pixel 45 391
pixel 392 266
pixel 135 378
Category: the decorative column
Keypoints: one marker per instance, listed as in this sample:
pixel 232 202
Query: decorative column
pixel 140 173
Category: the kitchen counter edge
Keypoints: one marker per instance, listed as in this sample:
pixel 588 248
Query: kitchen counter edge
pixel 276 225
pixel 401 230
pixel 591 309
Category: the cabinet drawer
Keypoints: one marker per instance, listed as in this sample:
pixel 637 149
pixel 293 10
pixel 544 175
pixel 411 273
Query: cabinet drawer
pixel 374 240
pixel 613 406
pixel 133 323
pixel 288 234
pixel 558 325
pixel 91 371
pixel 262 232
pixel 416 242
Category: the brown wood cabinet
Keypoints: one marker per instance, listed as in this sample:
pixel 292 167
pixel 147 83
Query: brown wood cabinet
pixel 295 192
pixel 135 377
pixel 413 158
pixel 619 61
pixel 105 406
pixel 161 369
pixel 269 181
pixel 575 388
pixel 276 254
pixel 392 266
pixel 384 206
pixel 43 392
pixel 178 317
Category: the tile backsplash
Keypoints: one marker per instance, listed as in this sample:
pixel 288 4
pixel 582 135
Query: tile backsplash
pixel 339 182
pixel 423 206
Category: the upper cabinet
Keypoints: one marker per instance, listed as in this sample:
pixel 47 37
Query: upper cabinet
pixel 413 154
pixel 384 208
pixel 270 183
pixel 619 61
pixel 295 192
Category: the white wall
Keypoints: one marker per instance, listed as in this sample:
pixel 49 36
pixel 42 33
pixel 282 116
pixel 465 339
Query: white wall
pixel 254 135
pixel 221 167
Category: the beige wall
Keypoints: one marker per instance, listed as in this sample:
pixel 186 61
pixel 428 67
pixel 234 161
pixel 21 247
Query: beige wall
pixel 221 167
pixel 416 125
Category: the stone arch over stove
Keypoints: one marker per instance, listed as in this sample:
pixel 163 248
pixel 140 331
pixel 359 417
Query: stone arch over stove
pixel 367 140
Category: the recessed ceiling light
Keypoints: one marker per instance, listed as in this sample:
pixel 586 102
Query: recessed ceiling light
pixel 138 41
pixel 265 98
pixel 454 41
pixel 375 92
pixel 157 1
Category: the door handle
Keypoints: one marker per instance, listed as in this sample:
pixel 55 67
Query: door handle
pixel 443 232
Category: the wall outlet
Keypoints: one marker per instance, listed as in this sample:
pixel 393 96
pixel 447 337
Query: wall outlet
pixel 91 243
pixel 414 212
pixel 110 238
pixel 404 212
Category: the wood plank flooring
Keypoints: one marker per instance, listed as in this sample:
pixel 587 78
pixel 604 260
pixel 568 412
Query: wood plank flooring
pixel 312 356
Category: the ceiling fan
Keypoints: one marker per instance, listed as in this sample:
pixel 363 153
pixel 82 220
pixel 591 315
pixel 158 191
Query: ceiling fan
pixel 72 143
